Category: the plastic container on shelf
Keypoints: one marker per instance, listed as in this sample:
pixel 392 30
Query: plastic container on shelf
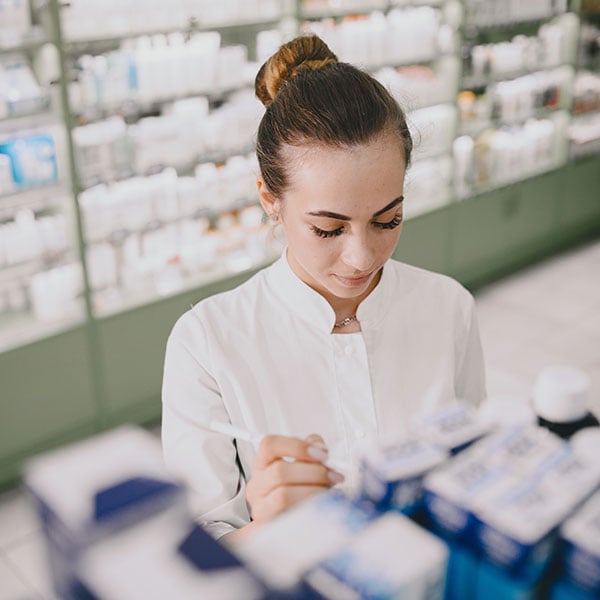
pixel 401 36
pixel 487 13
pixel 421 86
pixel 433 130
pixel 20 93
pixel 15 21
pixel 428 185
pixel 561 400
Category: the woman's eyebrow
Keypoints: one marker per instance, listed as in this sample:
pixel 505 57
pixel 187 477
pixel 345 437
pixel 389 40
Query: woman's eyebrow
pixel 332 215
pixel 390 205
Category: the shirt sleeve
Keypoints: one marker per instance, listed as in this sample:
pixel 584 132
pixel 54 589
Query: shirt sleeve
pixel 204 460
pixel 469 379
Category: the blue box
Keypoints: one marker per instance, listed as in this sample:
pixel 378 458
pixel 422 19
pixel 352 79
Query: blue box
pixel 493 583
pixel 463 566
pixel 33 160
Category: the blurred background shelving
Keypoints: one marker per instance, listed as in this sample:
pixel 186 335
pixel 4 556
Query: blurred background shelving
pixel 127 170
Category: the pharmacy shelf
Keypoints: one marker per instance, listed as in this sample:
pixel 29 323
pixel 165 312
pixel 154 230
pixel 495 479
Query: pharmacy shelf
pixel 585 113
pixel 473 30
pixel 583 116
pixel 182 170
pixel 521 181
pixel 474 128
pixel 41 116
pixel 222 270
pixel 424 60
pixel 384 6
pixel 21 273
pixel 101 43
pixel 212 214
pixel 470 81
pixel 26 44
pixel 340 13
pixel 35 199
pixel 133 111
pixel 590 149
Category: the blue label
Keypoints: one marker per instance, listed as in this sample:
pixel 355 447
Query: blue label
pixel 450 521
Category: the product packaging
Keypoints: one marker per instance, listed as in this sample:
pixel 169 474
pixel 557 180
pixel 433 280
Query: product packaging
pixel 391 558
pixel 284 549
pixel 33 159
pixel 392 476
pixel 164 557
pixel 88 491
pixel 454 427
pixel 580 552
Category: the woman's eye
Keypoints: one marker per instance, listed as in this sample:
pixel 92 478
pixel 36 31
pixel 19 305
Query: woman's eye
pixel 324 233
pixel 390 224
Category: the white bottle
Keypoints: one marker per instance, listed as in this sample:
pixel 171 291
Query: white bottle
pixel 560 400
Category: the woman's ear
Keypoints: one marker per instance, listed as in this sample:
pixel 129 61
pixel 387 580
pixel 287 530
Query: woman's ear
pixel 270 204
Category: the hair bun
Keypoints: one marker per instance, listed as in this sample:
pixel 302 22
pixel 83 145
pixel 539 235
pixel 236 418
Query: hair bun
pixel 308 52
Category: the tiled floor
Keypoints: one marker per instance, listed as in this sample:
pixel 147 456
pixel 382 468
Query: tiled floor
pixel 547 314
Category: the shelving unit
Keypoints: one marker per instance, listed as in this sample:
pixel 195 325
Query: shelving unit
pixel 103 364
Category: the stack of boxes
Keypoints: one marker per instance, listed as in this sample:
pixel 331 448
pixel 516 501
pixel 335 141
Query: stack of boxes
pixel 458 510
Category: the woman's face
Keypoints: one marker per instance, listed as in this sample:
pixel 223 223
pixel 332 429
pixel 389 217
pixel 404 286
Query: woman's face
pixel 342 215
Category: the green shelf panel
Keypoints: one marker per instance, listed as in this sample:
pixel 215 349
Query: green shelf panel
pixel 425 240
pixel 580 206
pixel 132 346
pixel 47 391
pixel 495 231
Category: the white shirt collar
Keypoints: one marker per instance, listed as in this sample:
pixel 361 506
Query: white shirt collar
pixel 311 307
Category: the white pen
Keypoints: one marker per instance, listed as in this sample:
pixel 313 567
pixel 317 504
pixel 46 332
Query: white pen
pixel 256 438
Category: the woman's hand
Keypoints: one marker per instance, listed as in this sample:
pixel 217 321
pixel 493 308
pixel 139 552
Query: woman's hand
pixel 278 483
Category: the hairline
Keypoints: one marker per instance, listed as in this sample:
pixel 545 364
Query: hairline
pixel 307 145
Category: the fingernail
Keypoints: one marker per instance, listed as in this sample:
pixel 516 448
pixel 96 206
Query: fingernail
pixel 335 477
pixel 318 451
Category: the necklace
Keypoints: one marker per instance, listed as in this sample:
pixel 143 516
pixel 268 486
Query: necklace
pixel 345 322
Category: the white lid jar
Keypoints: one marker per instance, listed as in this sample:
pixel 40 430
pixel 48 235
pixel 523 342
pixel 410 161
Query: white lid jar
pixel 560 394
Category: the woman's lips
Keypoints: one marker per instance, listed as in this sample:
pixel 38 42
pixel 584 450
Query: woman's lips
pixel 354 281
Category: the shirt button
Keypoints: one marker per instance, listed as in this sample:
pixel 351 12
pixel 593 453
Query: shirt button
pixel 360 434
pixel 349 350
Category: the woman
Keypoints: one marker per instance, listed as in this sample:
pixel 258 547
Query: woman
pixel 333 343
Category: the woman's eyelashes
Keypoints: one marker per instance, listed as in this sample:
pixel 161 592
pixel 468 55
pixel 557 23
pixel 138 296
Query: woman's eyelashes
pixel 390 224
pixel 324 233
pixel 328 233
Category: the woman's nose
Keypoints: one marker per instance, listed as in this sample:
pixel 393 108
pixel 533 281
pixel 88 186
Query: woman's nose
pixel 358 253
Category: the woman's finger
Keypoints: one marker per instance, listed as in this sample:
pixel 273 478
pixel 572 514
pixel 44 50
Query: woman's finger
pixel 297 473
pixel 275 447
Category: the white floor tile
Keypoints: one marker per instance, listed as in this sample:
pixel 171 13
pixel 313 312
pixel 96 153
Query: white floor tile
pixel 28 559
pixel 11 585
pixel 590 321
pixel 546 314
pixel 17 518
pixel 505 327
pixel 573 345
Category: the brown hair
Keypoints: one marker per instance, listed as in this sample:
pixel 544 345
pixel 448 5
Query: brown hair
pixel 311 98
